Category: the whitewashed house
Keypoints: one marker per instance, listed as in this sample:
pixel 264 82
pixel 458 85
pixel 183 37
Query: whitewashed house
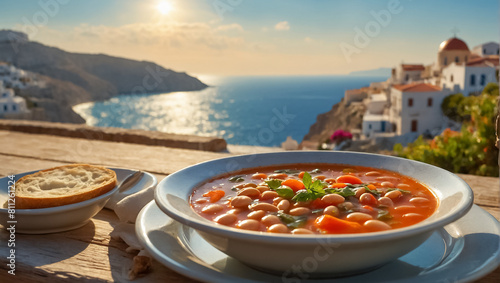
pixel 489 48
pixel 407 73
pixel 375 120
pixel 10 104
pixel 355 95
pixel 470 78
pixel 416 108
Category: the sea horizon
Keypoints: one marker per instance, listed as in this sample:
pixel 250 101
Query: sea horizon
pixel 244 110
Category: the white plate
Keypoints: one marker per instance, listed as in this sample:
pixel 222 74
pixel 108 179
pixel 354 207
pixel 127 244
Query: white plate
pixel 66 217
pixel 463 251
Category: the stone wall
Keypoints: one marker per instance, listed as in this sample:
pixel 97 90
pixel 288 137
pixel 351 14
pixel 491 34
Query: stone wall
pixel 116 134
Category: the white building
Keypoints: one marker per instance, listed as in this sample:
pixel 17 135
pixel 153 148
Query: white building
pixel 355 95
pixel 375 120
pixel 490 48
pixel 407 73
pixel 13 77
pixel 10 104
pixel 416 108
pixel 470 78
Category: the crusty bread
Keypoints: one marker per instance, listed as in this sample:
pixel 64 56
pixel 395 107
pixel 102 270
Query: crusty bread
pixel 63 185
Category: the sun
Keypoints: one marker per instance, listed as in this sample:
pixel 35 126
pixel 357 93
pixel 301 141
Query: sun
pixel 164 7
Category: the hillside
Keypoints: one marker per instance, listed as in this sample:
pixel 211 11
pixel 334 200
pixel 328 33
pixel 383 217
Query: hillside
pixel 99 76
pixel 341 116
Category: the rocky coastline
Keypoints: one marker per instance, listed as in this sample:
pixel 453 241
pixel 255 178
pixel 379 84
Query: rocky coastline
pixel 73 78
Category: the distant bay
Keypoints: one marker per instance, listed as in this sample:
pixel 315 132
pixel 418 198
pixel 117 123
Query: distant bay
pixel 259 111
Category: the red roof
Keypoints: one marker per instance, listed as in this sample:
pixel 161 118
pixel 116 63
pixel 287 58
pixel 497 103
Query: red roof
pixel 493 59
pixel 416 87
pixel 413 67
pixel 453 44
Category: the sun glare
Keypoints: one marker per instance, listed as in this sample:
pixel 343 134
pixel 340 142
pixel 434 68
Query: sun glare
pixel 164 7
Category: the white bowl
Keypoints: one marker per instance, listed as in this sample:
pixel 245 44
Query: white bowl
pixel 55 219
pixel 315 255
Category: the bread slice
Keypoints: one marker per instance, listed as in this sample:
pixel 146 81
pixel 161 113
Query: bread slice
pixel 63 185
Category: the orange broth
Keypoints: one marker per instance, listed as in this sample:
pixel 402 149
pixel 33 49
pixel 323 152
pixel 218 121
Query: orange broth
pixel 411 200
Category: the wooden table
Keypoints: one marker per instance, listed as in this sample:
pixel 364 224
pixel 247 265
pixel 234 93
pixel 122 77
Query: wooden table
pixel 88 253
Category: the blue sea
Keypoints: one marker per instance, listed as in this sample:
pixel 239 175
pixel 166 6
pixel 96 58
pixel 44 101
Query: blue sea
pixel 259 111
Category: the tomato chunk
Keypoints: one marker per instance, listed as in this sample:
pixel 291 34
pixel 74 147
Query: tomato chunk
pixel 214 195
pixel 294 184
pixel 331 224
pixel 349 179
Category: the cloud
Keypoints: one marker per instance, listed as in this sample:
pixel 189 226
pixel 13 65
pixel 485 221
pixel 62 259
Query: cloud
pixel 308 40
pixel 282 26
pixel 170 35
pixel 231 27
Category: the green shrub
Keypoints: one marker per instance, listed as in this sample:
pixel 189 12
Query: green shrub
pixel 470 151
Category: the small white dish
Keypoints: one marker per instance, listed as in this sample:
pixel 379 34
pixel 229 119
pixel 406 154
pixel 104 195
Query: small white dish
pixel 66 217
pixel 462 251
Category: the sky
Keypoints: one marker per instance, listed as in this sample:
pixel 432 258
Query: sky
pixel 256 37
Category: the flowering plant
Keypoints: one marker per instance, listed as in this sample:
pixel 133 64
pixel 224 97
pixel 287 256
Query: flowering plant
pixel 340 135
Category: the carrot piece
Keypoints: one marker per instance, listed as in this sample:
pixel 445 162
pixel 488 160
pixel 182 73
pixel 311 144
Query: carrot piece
pixel 294 184
pixel 349 179
pixel 338 185
pixel 331 224
pixel 367 207
pixel 372 187
pixel 214 195
pixel 301 174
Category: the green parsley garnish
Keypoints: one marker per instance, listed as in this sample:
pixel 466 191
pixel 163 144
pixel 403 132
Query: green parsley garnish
pixel 345 192
pixel 285 192
pixel 236 179
pixel 384 215
pixel 312 191
pixel 287 171
pixel 273 184
pixel 291 221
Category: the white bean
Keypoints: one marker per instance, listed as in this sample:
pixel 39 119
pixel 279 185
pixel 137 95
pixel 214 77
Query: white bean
pixel 359 192
pixel 269 220
pixel 373 174
pixel 249 224
pixel 332 199
pixel 241 201
pixel 387 184
pixel 278 228
pixel 376 225
pixel 250 192
pixel 262 189
pixel 331 210
pixel 263 206
pixel 212 208
pixel 302 231
pixel 283 205
pixel 394 195
pixel 299 211
pixel 359 217
pixel 385 201
pixel 257 215
pixel 226 219
pixel 269 195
